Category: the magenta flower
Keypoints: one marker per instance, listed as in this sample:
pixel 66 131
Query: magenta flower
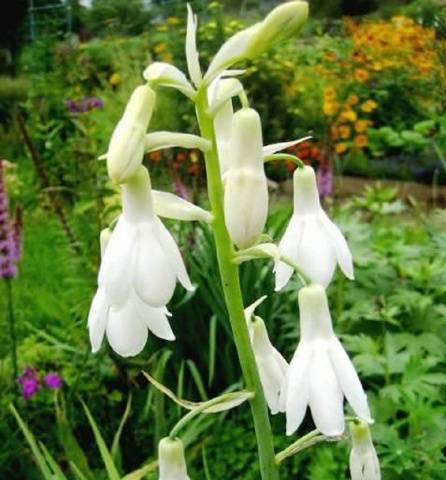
pixel 53 381
pixel 10 234
pixel 29 383
pixel 324 178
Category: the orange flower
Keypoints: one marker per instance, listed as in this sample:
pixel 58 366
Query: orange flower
pixel 329 93
pixel 340 148
pixel 361 75
pixel 334 132
pixel 344 131
pixel 361 141
pixel 155 156
pixel 330 108
pixel 362 125
pixel 352 100
pixel 348 116
pixel 368 106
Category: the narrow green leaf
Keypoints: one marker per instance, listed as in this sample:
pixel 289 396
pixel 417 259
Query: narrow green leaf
pixel 52 463
pixel 112 471
pixel 141 472
pixel 197 379
pixel 116 439
pixel 69 442
pixel 40 459
pixel 77 472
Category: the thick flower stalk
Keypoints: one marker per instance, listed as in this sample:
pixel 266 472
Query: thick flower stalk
pixel 364 463
pixel 311 239
pixel 320 373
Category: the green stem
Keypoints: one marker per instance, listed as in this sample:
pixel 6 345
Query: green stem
pixel 230 280
pixel 12 329
pixel 285 156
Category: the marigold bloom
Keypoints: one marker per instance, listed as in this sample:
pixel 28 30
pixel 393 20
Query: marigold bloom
pixel 361 75
pixel 368 106
pixel 362 125
pixel 341 148
pixel 361 140
pixel 348 116
pixel 344 131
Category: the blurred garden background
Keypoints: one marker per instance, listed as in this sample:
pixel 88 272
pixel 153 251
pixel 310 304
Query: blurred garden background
pixel 367 80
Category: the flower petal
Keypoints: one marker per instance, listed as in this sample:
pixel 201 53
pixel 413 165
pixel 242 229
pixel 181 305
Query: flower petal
pixel 326 399
pixel 232 51
pixel 295 392
pixel 289 247
pixel 167 75
pixel 155 319
pixel 348 380
pixel 126 332
pixel 159 140
pixel 277 147
pixel 340 246
pixel 116 269
pixel 97 319
pixel 154 278
pixel 174 255
pixel 193 62
pixel 169 205
pixel 315 255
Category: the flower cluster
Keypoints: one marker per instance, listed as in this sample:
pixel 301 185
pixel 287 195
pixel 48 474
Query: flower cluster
pixel 31 382
pixel 83 105
pixel 10 232
pixel 141 262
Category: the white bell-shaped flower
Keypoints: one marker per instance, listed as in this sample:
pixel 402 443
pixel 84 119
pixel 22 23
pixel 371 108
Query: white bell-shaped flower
pixel 320 373
pixel 140 266
pixel 311 239
pixel 246 188
pixel 364 463
pixel 171 461
pixel 127 143
pixel 270 363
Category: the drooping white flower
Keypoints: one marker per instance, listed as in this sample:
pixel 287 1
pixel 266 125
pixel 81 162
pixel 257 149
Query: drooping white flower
pixel 320 373
pixel 280 24
pixel 246 188
pixel 311 239
pixel 140 266
pixel 364 463
pixel 270 363
pixel 127 143
pixel 171 461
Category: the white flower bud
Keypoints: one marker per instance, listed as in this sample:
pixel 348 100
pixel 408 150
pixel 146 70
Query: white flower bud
pixel 364 463
pixel 172 464
pixel 126 148
pixel 279 25
pixel 246 189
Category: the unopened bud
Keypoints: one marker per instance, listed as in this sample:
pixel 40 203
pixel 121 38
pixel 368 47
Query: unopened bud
pixel 172 464
pixel 246 189
pixel 281 24
pixel 126 148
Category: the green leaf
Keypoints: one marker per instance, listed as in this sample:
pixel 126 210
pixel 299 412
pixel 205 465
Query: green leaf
pixel 52 463
pixel 115 453
pixel 141 472
pixel 104 451
pixel 40 459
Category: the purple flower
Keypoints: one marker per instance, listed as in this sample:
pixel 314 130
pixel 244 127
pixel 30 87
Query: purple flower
pixel 29 383
pixel 180 189
pixel 8 246
pixel 53 381
pixel 324 178
pixel 83 105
